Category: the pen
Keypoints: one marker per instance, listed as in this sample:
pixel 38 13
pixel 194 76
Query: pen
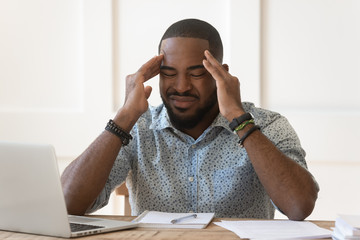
pixel 176 220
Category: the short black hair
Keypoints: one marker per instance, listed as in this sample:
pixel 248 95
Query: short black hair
pixel 195 28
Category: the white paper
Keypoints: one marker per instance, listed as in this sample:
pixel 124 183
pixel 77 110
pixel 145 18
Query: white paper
pixel 165 218
pixel 352 220
pixel 279 229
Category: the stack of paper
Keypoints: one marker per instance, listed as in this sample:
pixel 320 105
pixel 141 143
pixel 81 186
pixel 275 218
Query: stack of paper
pixel 154 219
pixel 275 229
pixel 347 227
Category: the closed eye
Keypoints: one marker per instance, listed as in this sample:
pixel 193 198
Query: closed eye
pixel 168 74
pixel 198 75
pixel 167 71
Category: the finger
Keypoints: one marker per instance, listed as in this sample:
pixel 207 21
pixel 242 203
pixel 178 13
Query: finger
pixel 217 73
pixel 147 90
pixel 211 59
pixel 151 68
pixel 214 67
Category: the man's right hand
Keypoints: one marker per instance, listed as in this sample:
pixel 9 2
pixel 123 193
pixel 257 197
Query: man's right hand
pixel 137 94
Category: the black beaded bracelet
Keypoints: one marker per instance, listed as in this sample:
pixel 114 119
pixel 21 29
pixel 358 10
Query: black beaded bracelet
pixel 119 132
pixel 242 139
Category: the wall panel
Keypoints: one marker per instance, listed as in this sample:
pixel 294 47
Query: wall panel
pixel 311 74
pixel 41 62
pixel 55 73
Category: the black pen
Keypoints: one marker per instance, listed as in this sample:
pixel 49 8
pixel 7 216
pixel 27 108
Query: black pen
pixel 176 220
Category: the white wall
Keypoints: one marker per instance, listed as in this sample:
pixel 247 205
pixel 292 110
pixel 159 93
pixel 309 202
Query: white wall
pixel 311 74
pixel 63 62
pixel 56 72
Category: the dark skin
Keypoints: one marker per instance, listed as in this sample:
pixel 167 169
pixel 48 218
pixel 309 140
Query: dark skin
pixel 186 66
pixel 182 71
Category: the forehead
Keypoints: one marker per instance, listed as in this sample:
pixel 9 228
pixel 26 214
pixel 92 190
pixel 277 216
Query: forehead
pixel 180 50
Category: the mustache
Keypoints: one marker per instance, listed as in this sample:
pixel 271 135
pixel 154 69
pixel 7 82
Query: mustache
pixel 184 94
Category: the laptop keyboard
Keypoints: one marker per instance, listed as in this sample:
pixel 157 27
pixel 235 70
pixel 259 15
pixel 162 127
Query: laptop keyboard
pixel 77 227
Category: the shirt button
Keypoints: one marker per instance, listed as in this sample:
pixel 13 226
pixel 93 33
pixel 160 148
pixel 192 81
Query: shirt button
pixel 193 146
pixel 191 211
pixel 191 179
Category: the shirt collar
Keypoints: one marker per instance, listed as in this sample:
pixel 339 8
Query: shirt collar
pixel 221 121
pixel 160 118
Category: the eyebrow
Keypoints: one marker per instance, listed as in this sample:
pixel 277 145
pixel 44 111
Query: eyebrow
pixel 189 68
pixel 166 68
pixel 195 67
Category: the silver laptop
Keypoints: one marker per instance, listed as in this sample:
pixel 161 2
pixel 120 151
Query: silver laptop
pixel 31 197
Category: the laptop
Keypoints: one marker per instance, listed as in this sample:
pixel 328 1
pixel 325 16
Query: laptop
pixel 31 197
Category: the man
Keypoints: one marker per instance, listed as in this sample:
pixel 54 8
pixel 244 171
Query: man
pixel 200 151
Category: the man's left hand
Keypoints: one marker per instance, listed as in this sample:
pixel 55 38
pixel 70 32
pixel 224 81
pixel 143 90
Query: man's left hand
pixel 228 88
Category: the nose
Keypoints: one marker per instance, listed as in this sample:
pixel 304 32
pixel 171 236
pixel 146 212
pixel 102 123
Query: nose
pixel 182 83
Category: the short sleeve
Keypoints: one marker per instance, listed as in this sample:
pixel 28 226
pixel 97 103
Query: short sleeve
pixel 284 137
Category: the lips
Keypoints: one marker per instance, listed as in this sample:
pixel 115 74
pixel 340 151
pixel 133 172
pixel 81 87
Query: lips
pixel 182 102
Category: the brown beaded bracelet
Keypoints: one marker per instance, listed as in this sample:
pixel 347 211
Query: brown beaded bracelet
pixel 242 139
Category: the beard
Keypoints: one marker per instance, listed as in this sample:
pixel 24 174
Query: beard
pixel 188 122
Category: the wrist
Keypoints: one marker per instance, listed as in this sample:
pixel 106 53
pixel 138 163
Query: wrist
pixel 126 119
pixel 240 120
pixel 234 113
pixel 246 132
pixel 124 136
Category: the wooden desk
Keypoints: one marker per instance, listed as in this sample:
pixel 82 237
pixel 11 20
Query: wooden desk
pixel 212 232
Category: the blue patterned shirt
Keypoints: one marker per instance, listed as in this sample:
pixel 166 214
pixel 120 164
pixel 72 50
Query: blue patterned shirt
pixel 167 170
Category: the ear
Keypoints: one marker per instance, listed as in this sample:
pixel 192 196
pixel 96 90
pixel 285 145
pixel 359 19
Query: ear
pixel 226 67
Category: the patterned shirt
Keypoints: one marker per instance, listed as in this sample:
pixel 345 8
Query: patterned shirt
pixel 167 170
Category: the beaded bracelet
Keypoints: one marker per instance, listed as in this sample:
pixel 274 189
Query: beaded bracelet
pixel 242 139
pixel 119 132
pixel 242 125
pixel 237 121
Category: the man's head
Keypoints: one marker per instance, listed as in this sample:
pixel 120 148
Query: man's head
pixel 187 89
pixel 195 28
